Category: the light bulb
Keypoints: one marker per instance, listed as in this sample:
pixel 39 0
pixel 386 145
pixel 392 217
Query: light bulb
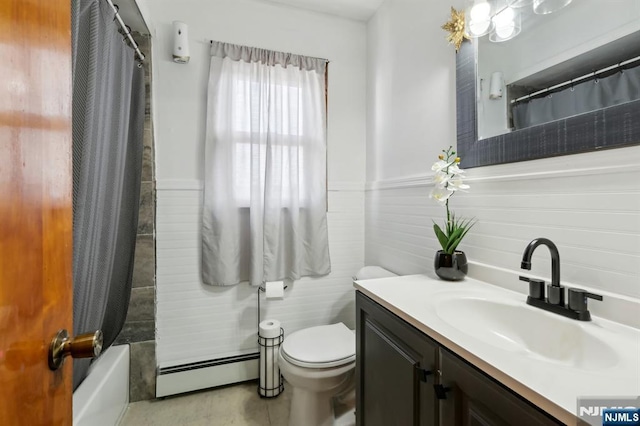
pixel 480 11
pixel 478 28
pixel 507 25
pixel 504 18
pixel 479 22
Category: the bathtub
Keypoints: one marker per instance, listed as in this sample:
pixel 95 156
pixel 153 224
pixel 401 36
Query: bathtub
pixel 102 398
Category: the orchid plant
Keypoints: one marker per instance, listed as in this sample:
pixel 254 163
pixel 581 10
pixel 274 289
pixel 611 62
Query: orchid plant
pixel 448 179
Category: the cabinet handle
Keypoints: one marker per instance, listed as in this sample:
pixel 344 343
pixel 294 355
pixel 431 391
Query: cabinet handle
pixel 423 374
pixel 441 391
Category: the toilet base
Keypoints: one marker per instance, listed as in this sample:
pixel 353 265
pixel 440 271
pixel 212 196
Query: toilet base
pixel 311 408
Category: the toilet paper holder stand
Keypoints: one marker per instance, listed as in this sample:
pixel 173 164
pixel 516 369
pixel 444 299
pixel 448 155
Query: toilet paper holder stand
pixel 269 344
pixel 270 374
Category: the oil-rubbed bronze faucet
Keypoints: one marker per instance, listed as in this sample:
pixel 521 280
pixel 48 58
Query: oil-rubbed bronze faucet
pixel 554 301
pixel 555 258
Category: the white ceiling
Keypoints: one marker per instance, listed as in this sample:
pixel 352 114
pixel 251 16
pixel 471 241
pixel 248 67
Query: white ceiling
pixel 360 10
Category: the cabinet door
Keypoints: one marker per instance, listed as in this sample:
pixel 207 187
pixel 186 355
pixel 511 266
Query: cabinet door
pixel 392 357
pixel 476 400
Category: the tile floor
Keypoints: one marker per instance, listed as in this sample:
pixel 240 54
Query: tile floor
pixel 237 405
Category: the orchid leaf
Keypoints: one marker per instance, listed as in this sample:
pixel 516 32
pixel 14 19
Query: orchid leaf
pixel 442 238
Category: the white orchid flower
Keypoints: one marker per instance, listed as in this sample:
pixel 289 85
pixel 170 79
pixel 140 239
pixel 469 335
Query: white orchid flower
pixel 455 184
pixel 441 178
pixel 438 166
pixel 455 170
pixel 441 195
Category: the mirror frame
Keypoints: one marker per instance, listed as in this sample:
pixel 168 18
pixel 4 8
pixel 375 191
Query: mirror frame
pixel 612 127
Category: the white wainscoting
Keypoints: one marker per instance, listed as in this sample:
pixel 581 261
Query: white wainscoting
pixel 588 204
pixel 197 322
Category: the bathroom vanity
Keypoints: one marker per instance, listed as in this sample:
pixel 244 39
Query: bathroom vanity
pixel 430 352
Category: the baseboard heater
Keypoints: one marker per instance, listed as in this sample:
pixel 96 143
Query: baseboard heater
pixel 206 374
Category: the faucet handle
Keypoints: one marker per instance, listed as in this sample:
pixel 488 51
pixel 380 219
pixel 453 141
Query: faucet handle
pixel 536 287
pixel 578 299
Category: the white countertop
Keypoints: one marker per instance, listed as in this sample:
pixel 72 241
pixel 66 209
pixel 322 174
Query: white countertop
pixel 553 386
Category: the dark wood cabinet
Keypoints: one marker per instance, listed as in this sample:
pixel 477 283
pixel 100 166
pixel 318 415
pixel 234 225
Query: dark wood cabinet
pixel 395 368
pixel 403 377
pixel 474 399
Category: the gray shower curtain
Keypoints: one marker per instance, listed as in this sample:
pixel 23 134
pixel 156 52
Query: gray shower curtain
pixel 591 95
pixel 108 120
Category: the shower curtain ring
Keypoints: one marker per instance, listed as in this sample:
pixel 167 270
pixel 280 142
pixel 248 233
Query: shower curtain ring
pixel 117 8
pixel 125 35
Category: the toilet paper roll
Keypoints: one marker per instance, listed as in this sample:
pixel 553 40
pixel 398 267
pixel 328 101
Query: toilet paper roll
pixel 269 328
pixel 274 289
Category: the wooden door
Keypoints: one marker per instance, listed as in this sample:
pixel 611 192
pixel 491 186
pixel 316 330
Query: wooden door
pixel 35 209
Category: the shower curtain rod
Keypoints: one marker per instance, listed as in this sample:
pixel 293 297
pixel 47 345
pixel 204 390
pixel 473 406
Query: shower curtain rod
pixel 126 30
pixel 593 74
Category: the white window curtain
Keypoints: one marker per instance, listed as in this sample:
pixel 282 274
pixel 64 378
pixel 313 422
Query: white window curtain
pixel 264 211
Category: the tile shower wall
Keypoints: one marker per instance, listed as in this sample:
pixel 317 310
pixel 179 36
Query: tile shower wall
pixel 139 327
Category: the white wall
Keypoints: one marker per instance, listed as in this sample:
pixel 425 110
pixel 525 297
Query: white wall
pixel 197 322
pixel 180 90
pixel 411 76
pixel 592 212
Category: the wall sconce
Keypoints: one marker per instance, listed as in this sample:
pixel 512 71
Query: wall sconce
pixel 495 85
pixel 180 43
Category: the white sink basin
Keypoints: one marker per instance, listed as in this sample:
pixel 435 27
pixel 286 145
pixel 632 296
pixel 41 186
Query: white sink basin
pixel 521 328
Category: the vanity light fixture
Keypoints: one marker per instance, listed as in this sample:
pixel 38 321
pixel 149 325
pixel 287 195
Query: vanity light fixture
pixel 544 7
pixel 501 19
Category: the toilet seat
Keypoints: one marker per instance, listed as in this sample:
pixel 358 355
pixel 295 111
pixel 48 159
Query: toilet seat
pixel 323 346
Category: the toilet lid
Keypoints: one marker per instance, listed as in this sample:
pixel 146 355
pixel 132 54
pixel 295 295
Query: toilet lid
pixel 320 347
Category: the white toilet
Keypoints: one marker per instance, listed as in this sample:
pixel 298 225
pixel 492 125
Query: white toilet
pixel 319 364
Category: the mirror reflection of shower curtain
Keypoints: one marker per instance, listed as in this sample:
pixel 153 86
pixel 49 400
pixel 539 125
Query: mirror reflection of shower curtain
pixel 108 120
pixel 591 95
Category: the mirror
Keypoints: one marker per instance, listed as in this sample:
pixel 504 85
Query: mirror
pixel 552 50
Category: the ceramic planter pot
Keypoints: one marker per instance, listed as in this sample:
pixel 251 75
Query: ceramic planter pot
pixel 451 267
